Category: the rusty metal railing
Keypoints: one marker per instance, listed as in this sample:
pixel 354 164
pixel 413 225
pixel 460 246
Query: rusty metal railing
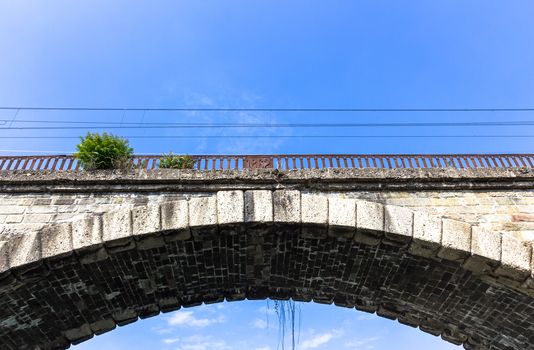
pixel 290 161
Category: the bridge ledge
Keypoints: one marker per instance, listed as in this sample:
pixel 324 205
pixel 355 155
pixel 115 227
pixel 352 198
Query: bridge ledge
pixel 332 178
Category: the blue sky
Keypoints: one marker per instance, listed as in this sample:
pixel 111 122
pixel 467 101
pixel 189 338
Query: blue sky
pixel 362 54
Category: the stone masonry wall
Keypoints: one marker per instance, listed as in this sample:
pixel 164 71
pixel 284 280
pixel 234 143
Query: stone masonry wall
pixel 503 211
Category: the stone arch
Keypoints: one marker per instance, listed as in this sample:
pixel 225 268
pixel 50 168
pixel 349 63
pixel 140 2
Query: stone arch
pixel 71 280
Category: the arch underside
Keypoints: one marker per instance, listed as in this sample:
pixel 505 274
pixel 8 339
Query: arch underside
pixel 69 298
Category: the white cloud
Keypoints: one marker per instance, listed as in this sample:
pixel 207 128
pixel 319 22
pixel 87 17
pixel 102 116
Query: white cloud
pixel 263 348
pixel 361 344
pixel 317 341
pixel 259 323
pixel 187 318
pixel 197 342
pixel 170 340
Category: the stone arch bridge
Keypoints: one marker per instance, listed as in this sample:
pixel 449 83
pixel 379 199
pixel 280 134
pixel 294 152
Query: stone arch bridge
pixel 446 250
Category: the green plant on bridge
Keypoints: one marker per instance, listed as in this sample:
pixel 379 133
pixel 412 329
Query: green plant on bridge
pixel 103 151
pixel 174 161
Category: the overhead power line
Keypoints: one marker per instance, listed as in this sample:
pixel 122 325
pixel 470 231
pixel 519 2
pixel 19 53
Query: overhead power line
pixel 275 109
pixel 151 125
pixel 276 136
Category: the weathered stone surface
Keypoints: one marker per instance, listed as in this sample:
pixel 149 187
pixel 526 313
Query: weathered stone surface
pixel 174 215
pixel 203 211
pixel 485 251
pixel 455 240
pixel 341 217
pixel 314 208
pixel 87 232
pixel 286 206
pixel 369 222
pixel 398 223
pixel 259 206
pixel 146 219
pixel 175 220
pixel 515 258
pixel 203 216
pixel 230 207
pixel 24 249
pixel 370 216
pixel 56 240
pixel 117 228
pixel 314 212
pixel 426 234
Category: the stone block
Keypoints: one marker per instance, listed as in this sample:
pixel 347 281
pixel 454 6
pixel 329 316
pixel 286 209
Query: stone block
pixel 56 241
pixel 78 334
pixel 426 234
pixel 258 206
pixel 286 206
pixel 203 211
pixel 24 249
pixel 398 224
pixel 87 233
pixel 370 216
pixel 175 220
pixel 231 211
pixel 203 216
pixel 146 219
pixel 485 251
pixel 515 258
pixel 102 326
pixel 117 230
pixel 341 217
pixel 455 240
pixel 230 207
pixel 369 222
pixel 314 215
pixel 286 211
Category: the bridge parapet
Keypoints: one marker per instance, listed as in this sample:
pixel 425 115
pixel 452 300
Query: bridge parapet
pixel 290 161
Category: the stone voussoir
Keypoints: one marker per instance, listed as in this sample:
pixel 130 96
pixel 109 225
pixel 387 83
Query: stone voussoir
pixel 426 234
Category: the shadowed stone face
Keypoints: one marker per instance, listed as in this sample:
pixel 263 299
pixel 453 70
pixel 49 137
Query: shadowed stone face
pixel 447 276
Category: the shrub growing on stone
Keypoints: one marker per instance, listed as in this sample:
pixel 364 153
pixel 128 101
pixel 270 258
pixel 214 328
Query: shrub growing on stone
pixel 174 161
pixel 103 151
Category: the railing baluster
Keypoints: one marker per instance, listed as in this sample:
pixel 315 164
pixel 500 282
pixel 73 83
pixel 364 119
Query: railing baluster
pixel 288 162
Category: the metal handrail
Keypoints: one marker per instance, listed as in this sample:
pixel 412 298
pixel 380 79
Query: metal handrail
pixel 289 161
